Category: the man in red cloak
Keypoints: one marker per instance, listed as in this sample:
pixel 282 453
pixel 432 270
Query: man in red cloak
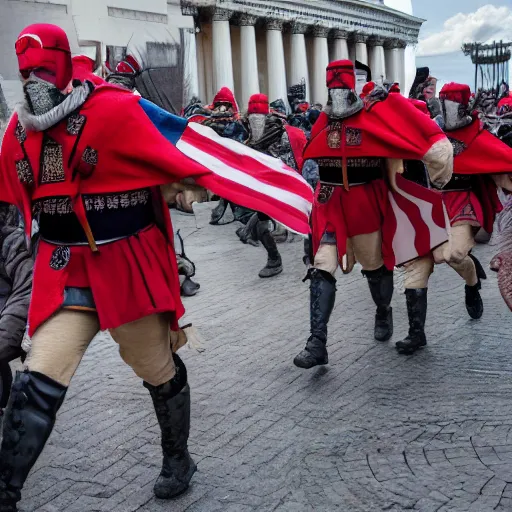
pixel 88 162
pixel 481 162
pixel 359 149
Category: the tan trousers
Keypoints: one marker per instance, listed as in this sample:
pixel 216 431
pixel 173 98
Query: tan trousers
pixel 455 253
pixel 367 250
pixel 417 272
pixel 60 343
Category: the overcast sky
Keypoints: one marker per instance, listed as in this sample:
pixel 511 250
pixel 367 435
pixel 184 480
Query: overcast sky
pixel 450 23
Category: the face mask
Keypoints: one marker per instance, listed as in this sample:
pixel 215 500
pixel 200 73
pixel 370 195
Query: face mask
pixel 344 102
pixel 257 125
pixel 41 96
pixel 455 115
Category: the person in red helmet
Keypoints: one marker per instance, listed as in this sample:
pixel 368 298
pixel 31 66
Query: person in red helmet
pixel 359 146
pixel 481 161
pixel 88 162
pixel 270 134
pixel 225 119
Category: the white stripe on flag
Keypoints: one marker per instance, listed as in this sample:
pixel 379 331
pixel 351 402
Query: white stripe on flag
pixel 405 235
pixel 438 235
pixel 241 149
pixel 227 172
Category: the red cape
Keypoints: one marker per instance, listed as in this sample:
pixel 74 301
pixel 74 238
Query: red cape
pixel 297 142
pixel 392 128
pixel 477 151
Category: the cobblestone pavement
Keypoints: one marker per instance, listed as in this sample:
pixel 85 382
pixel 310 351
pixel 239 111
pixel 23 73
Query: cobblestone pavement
pixel 372 431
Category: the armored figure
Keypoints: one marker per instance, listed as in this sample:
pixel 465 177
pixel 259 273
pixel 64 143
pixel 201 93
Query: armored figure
pixel 481 162
pixel 270 134
pixel 359 146
pixel 88 162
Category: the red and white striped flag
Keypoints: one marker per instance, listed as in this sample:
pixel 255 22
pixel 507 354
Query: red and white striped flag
pixel 249 178
pixel 415 224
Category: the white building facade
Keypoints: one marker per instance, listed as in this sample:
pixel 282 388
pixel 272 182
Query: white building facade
pixel 249 46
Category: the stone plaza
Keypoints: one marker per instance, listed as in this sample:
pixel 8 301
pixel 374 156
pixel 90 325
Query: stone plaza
pixel 372 431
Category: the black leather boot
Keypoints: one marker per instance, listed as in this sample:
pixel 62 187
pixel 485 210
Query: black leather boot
pixel 172 406
pixel 247 233
pixel 474 303
pixel 322 299
pixel 416 300
pixel 380 282
pixel 188 288
pixel 220 214
pixel 28 422
pixel 274 264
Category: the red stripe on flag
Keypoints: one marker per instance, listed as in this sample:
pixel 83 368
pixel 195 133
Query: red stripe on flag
pixel 245 163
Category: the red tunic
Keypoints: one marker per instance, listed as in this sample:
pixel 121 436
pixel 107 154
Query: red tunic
pixel 393 128
pixel 477 152
pixel 110 147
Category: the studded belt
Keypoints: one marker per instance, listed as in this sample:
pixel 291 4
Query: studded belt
pixel 111 217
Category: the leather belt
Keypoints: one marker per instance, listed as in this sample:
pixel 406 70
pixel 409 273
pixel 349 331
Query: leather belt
pixel 111 218
pixel 459 183
pixel 359 170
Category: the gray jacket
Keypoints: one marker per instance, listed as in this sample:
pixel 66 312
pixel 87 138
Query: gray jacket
pixel 16 266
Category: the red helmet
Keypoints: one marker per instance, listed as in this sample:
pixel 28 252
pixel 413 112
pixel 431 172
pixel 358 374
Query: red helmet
pixel 258 104
pixel 341 75
pixel 458 93
pixel 45 48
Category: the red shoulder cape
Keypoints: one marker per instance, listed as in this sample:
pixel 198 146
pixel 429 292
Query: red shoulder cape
pixel 392 128
pixel 297 142
pixel 477 151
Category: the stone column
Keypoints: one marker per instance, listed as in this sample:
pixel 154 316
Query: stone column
pixel 190 69
pixel 377 59
pixel 249 58
pixel 401 66
pixel 360 46
pixel 392 56
pixel 276 69
pixel 299 59
pixel 340 45
pixel 320 63
pixel 221 44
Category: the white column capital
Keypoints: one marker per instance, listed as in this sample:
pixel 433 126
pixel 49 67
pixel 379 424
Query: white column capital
pixel 375 41
pixel 320 31
pixel 273 24
pixel 391 44
pixel 338 33
pixel 357 37
pixel 247 20
pixel 222 15
pixel 298 28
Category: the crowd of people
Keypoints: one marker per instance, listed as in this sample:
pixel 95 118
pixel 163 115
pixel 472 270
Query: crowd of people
pixel 398 182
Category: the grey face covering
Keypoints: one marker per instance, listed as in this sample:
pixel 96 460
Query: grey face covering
pixel 455 115
pixel 257 125
pixel 41 96
pixel 344 103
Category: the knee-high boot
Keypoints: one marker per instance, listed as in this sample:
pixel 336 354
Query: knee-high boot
pixel 274 264
pixel 28 422
pixel 322 299
pixel 172 405
pixel 380 282
pixel 417 312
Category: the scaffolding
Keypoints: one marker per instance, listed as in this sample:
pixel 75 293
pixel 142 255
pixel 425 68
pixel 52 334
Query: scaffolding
pixel 491 65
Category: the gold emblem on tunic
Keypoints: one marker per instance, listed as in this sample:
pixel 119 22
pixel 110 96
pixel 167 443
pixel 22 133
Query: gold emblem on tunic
pixel 334 139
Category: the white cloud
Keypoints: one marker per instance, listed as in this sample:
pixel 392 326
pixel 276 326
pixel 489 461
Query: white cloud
pixel 485 25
